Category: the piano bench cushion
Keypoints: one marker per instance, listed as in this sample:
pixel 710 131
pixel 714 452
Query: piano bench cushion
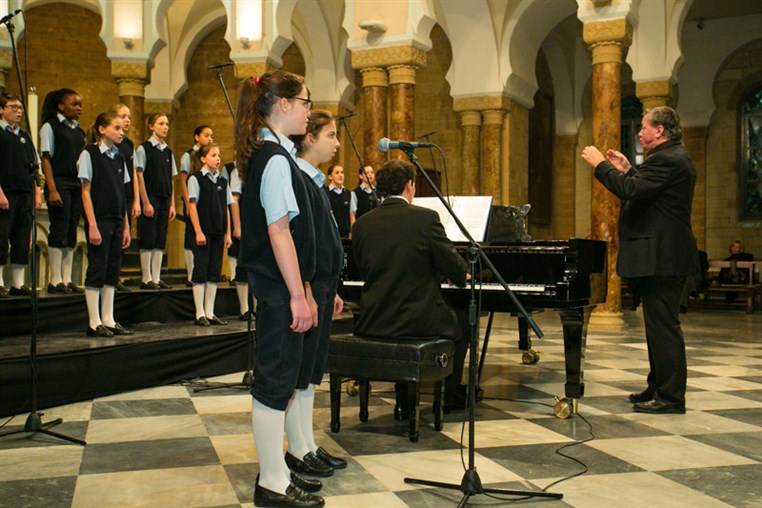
pixel 417 360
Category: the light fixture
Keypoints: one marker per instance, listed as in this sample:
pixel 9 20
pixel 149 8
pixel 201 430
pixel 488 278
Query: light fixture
pixel 373 26
pixel 245 42
pixel 128 43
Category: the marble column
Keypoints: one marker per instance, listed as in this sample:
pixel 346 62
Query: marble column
pixel 401 105
pixel 374 85
pixel 492 135
pixel 607 40
pixel 132 78
pixel 471 122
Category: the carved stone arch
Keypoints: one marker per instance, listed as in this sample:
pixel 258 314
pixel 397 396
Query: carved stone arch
pixel 278 29
pixel 95 6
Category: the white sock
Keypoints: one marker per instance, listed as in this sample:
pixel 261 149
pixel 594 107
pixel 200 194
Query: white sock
pixel 156 257
pixel 210 293
pixel 297 446
pixel 242 290
pixel 107 306
pixel 92 295
pixel 268 439
pixel 2 280
pixel 188 262
pixel 67 261
pixel 198 299
pixel 232 264
pixel 54 258
pixel 145 266
pixel 17 276
pixel 306 406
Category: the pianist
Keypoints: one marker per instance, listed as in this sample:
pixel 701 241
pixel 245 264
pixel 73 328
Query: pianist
pixel 401 252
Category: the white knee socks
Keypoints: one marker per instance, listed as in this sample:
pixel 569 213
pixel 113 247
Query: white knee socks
pixel 306 406
pixel 107 306
pixel 145 266
pixel 67 261
pixel 92 295
pixel 188 254
pixel 268 438
pixel 210 293
pixel 17 276
pixel 54 259
pixel 198 299
pixel 242 290
pixel 297 446
pixel 156 257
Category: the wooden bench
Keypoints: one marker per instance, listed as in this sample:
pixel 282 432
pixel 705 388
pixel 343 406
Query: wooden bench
pixel 750 289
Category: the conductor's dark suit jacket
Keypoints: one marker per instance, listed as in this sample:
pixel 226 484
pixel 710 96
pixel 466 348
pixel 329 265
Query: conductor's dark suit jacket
pixel 655 236
pixel 401 251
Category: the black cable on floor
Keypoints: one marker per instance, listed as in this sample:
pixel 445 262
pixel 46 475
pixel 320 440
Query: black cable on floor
pixel 6 422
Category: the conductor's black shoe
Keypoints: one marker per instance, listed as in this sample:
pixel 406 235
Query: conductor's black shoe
pixel 163 285
pixel 310 465
pixel 306 484
pixel 659 407
pixel 22 291
pixel 75 289
pixel 148 285
pixel 118 329
pixel 122 288
pixel 202 321
pixel 334 462
pixel 59 288
pixel 294 497
pixel 214 320
pixel 99 331
pixel 643 396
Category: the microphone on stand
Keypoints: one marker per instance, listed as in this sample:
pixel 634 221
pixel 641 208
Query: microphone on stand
pixel 9 16
pixel 344 117
pixel 220 66
pixel 385 144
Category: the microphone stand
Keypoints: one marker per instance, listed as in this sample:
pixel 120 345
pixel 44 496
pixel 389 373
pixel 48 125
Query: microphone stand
pixel 33 422
pixel 471 484
pixel 373 195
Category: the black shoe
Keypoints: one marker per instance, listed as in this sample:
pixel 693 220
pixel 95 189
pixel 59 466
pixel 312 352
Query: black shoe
pixel 456 399
pixel 659 407
pixel 306 484
pixel 22 291
pixel 202 321
pixel 75 289
pixel 643 396
pixel 294 497
pixel 214 320
pixel 163 285
pixel 334 462
pixel 118 329
pixel 100 331
pixel 148 285
pixel 59 288
pixel 245 316
pixel 310 465
pixel 122 288
pixel 188 284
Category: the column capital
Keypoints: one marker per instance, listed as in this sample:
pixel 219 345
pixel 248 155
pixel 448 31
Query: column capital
pixel 468 118
pixel 132 77
pixel 654 93
pixel 480 103
pixel 374 76
pixel 402 74
pixel 493 116
pixel 385 57
pixel 607 32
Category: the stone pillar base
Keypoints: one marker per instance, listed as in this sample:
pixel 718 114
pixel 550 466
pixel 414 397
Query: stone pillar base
pixel 607 321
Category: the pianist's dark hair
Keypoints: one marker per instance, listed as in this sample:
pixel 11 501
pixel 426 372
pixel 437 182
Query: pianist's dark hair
pixel 392 177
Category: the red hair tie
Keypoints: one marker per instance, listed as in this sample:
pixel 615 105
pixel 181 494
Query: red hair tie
pixel 256 80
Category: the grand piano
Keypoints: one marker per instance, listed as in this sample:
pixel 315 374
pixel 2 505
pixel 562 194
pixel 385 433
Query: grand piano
pixel 567 276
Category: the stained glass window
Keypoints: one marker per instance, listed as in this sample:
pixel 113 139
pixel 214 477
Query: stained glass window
pixel 750 172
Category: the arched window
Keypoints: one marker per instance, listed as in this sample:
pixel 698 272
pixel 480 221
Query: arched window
pixel 632 114
pixel 750 168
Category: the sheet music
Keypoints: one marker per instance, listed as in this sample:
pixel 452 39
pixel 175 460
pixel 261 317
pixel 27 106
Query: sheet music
pixel 473 212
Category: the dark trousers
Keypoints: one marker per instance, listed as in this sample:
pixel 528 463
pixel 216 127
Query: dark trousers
pixel 666 346
pixel 16 228
pixel 207 259
pixel 316 339
pixel 64 219
pixel 105 260
pixel 153 230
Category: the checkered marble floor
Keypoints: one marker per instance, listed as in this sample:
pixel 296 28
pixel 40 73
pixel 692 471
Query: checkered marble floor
pixel 170 446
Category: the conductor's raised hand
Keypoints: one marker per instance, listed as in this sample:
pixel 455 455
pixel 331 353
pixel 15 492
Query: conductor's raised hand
pixel 592 155
pixel 619 161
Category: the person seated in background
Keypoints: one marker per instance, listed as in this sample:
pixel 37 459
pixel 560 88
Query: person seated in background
pixel 733 275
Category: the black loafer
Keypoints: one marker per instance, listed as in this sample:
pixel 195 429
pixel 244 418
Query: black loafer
pixel 99 331
pixel 306 484
pixel 22 291
pixel 59 288
pixel 202 321
pixel 294 497
pixel 163 285
pixel 214 320
pixel 643 396
pixel 246 315
pixel 118 329
pixel 122 288
pixel 310 465
pixel 334 462
pixel 148 285
pixel 659 407
pixel 75 289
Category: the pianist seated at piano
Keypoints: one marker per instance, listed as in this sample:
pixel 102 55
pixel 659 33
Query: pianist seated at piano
pixel 401 252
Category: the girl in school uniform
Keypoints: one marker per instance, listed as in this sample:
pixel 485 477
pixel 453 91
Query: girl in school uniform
pixel 316 146
pixel 155 167
pixel 340 198
pixel 208 199
pixel 61 141
pixel 190 164
pixel 17 185
pixel 278 251
pixel 104 175
pixel 238 274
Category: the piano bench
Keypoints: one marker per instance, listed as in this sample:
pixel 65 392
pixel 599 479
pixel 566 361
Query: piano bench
pixel 412 361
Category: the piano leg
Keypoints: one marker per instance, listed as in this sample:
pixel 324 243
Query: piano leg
pixel 529 355
pixel 574 322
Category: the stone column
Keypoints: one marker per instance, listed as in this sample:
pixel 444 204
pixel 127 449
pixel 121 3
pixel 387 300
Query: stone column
pixel 607 40
pixel 471 122
pixel 694 140
pixel 132 78
pixel 401 105
pixel 6 64
pixel 374 85
pixel 492 134
pixel 654 94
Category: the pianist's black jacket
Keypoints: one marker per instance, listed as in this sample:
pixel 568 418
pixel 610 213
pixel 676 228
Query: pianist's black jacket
pixel 655 236
pixel 401 251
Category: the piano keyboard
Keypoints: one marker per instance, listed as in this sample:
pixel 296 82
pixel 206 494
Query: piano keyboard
pixel 487 286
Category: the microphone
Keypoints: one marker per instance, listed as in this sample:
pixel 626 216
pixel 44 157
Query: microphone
pixel 344 117
pixel 220 66
pixel 9 16
pixel 385 144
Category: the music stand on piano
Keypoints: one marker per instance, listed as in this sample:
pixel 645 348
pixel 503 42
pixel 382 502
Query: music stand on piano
pixel 471 484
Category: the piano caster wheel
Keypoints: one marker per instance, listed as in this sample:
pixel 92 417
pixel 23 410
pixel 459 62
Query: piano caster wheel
pixel 564 408
pixel 530 357
pixel 353 388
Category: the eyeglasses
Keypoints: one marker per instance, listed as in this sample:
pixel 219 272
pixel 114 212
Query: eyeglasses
pixel 307 103
pixel 14 107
